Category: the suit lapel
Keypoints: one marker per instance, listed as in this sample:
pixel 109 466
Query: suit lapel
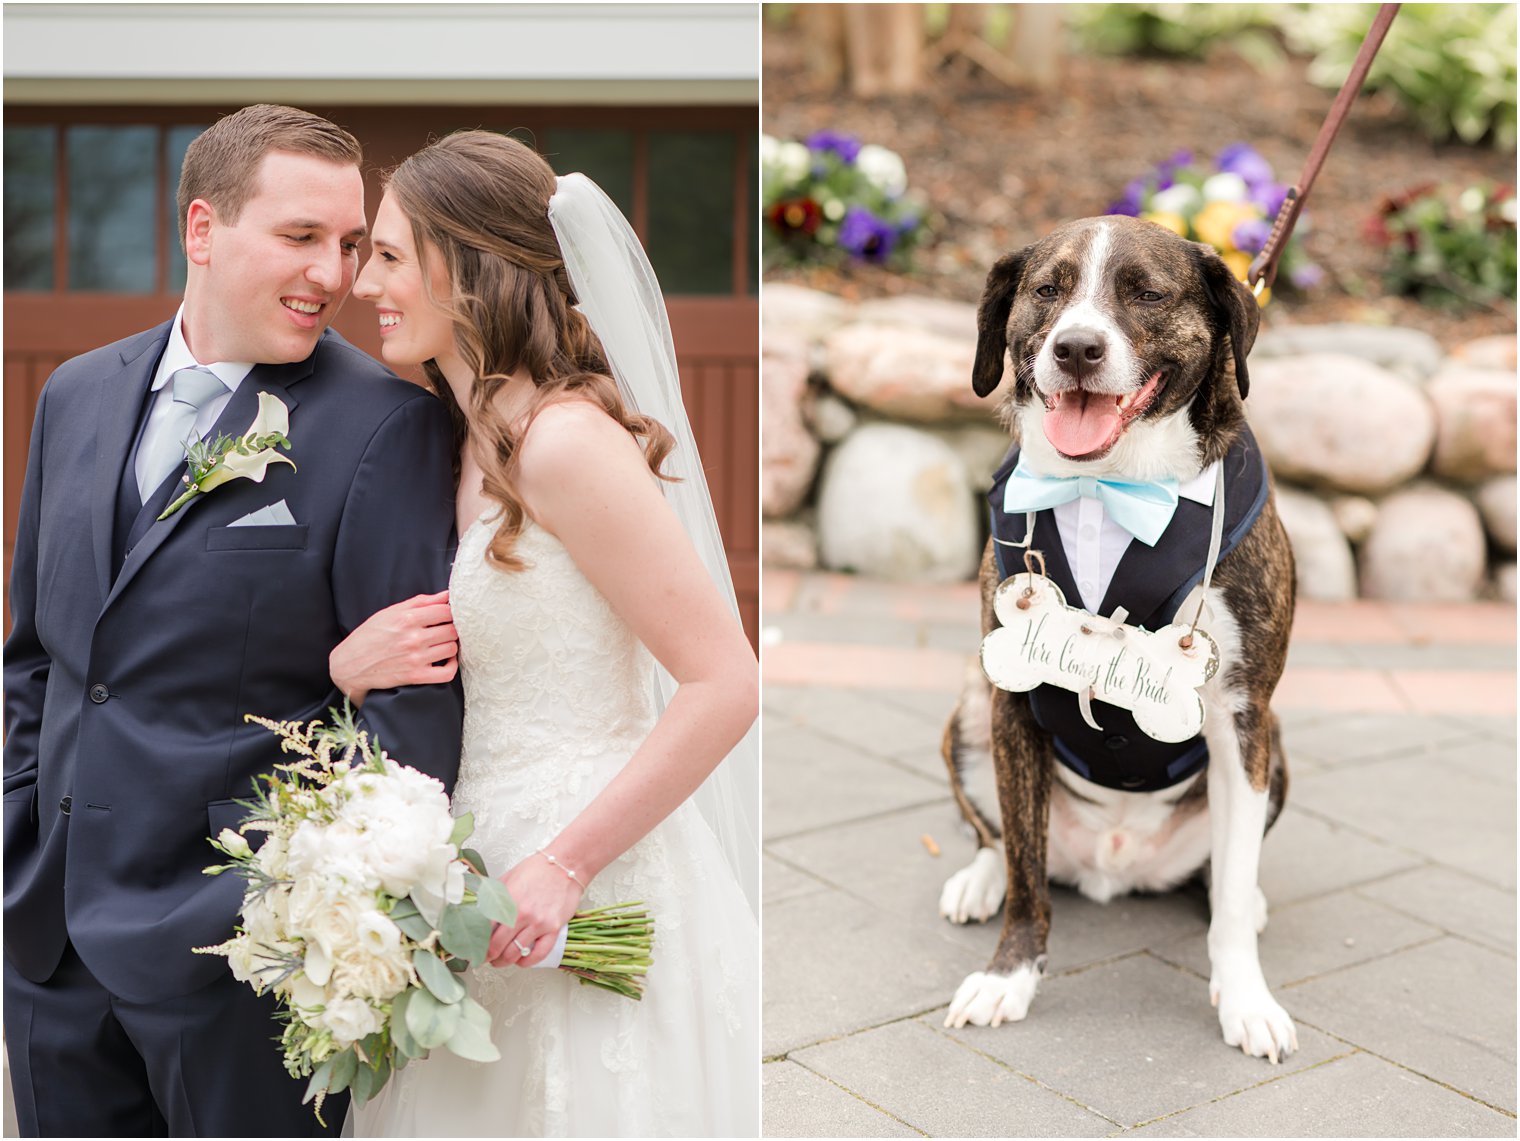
pixel 1147 576
pixel 233 421
pixel 119 413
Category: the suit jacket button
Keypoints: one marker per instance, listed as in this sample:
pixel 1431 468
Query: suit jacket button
pixel 66 805
pixel 99 693
pixel 1117 741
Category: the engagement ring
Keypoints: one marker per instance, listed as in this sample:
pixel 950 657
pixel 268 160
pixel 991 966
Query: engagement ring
pixel 523 951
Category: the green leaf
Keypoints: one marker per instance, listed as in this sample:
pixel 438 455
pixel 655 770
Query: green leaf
pixel 495 902
pixel 465 932
pixel 431 1022
pixel 474 859
pixel 437 977
pixel 463 826
pixel 401 1034
pixel 406 916
pixel 344 1066
pixel 319 1080
pixel 472 1037
pixel 363 1084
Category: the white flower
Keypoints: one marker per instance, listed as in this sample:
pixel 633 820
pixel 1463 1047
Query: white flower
pixel 1226 186
pixel 306 997
pixel 833 209
pixel 793 161
pixel 242 958
pixel 349 1020
pixel 233 844
pixel 377 934
pixel 380 977
pixel 271 857
pixel 1179 198
pixel 883 168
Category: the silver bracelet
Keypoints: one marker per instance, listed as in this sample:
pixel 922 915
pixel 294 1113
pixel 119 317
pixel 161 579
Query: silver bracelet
pixel 550 857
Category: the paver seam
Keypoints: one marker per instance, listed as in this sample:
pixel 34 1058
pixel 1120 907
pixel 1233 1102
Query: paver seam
pixel 859 1098
pixel 913 806
pixel 1460 936
pixel 1421 857
pixel 823 730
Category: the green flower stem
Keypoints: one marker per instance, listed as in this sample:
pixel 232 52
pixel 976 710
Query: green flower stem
pixel 178 503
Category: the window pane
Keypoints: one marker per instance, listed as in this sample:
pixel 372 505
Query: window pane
pixel 691 210
pixel 178 139
pixel 30 168
pixel 112 220
pixel 605 157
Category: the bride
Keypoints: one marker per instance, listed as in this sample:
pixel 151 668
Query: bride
pixel 605 672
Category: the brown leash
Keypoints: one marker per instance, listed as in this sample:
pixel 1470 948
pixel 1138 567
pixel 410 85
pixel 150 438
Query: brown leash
pixel 1263 271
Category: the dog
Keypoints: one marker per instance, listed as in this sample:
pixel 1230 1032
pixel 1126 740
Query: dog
pixel 1128 349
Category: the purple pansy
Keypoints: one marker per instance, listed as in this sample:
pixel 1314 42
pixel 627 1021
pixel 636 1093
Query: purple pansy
pixel 847 147
pixel 866 236
pixel 1251 235
pixel 1134 197
pixel 1241 159
pixel 1306 276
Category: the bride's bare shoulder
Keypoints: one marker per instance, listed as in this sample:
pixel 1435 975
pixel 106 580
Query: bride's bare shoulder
pixel 574 439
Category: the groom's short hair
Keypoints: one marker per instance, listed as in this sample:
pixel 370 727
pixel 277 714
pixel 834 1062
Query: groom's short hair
pixel 222 162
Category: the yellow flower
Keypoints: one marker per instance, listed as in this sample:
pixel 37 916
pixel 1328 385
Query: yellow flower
pixel 1239 263
pixel 1216 222
pixel 1176 223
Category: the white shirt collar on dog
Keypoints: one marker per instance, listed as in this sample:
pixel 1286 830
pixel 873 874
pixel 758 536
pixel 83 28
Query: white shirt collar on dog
pixel 1094 543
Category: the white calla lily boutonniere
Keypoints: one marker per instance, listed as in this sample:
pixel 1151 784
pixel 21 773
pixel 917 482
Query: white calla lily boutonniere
pixel 237 457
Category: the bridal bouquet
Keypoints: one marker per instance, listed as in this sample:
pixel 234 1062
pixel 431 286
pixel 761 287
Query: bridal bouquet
pixel 363 907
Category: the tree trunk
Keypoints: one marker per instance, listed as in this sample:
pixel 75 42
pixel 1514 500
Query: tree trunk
pixel 884 47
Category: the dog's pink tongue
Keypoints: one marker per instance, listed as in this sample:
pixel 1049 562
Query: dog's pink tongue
pixel 1081 422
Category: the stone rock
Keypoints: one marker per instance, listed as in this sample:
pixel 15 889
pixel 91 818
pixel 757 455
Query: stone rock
pixel 796 311
pixel 1338 423
pixel 788 544
pixel 1356 515
pixel 908 374
pixel 1488 352
pixel 1408 353
pixel 980 447
pixel 832 418
pixel 955 320
pixel 788 451
pixel 1427 546
pixel 895 504
pixel 1326 570
pixel 1496 503
pixel 1504 582
pixel 1475 422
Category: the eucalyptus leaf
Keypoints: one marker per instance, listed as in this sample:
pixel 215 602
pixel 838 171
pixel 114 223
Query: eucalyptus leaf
pixel 495 902
pixel 363 1085
pixel 319 1079
pixel 431 1022
pixel 437 977
pixel 465 932
pixel 463 826
pixel 345 1066
pixel 415 927
pixel 401 1034
pixel 472 1038
pixel 473 858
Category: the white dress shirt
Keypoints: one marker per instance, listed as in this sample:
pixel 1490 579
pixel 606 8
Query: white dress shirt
pixel 176 356
pixel 1094 543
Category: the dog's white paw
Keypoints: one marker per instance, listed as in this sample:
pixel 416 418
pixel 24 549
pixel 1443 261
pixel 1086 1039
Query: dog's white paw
pixel 976 891
pixel 1253 1020
pixel 988 999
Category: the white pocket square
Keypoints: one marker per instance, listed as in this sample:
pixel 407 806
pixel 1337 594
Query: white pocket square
pixel 275 515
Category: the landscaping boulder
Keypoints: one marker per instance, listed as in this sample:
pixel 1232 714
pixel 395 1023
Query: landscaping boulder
pixel 1427 546
pixel 905 373
pixel 788 451
pixel 1321 554
pixel 1496 503
pixel 1475 422
pixel 1408 353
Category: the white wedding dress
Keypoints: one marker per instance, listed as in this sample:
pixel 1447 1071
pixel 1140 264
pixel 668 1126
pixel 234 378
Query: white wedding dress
pixel 558 695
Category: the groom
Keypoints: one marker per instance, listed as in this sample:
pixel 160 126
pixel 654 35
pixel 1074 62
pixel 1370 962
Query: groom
pixel 138 644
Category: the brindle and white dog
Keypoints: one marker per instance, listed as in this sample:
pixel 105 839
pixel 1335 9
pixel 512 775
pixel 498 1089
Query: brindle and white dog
pixel 1128 351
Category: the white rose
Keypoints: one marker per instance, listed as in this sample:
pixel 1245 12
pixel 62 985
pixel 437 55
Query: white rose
pixel 379 977
pixel 1226 186
pixel 1179 198
pixel 883 168
pixel 350 1019
pixel 306 997
pixel 272 856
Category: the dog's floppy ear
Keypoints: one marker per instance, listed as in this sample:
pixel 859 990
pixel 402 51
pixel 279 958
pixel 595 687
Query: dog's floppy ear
pixel 1234 304
pixel 992 322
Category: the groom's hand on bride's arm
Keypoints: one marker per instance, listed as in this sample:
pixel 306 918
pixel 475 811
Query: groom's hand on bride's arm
pixel 410 643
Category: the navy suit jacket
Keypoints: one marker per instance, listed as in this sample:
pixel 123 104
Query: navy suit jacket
pixel 125 690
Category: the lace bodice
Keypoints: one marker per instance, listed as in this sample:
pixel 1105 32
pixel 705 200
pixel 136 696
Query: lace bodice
pixel 550 671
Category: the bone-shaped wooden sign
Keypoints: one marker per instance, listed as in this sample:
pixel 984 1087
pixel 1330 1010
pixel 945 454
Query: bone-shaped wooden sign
pixel 1043 641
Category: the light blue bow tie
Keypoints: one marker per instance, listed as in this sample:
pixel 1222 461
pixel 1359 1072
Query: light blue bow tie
pixel 1142 509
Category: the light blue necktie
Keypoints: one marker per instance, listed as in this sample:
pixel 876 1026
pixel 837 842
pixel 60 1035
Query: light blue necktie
pixel 163 448
pixel 1142 509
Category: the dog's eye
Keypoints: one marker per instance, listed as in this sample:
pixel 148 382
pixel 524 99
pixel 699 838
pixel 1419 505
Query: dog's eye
pixel 1150 296
pixel 1046 292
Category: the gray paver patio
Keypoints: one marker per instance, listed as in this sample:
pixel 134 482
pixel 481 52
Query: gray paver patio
pixel 1390 876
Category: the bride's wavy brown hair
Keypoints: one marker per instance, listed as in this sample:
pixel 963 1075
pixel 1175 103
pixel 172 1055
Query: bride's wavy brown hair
pixel 482 201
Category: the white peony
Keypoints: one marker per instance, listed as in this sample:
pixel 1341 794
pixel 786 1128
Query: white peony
pixel 349 1020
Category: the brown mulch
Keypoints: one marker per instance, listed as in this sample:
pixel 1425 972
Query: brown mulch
pixel 1001 166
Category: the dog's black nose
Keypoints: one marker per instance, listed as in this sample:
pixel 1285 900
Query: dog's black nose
pixel 1079 350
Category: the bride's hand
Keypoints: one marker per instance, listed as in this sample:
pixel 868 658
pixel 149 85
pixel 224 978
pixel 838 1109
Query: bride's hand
pixel 410 643
pixel 546 898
